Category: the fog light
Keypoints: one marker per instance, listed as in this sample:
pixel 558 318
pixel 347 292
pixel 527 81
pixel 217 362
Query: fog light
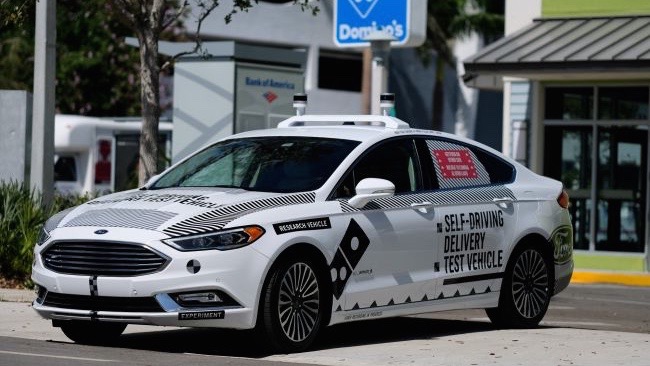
pixel 200 297
pixel 40 293
pixel 207 298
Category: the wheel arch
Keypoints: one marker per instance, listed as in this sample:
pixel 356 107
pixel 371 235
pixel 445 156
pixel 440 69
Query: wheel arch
pixel 300 250
pixel 537 240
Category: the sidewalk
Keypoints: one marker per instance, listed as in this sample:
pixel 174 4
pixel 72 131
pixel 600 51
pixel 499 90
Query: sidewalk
pixel 474 344
pixel 13 295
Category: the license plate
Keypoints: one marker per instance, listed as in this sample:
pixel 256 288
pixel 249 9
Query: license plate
pixel 199 315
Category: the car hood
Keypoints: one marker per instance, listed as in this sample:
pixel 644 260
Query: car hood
pixel 177 211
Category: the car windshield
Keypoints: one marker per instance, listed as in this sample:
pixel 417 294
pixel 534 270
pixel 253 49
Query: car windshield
pixel 269 164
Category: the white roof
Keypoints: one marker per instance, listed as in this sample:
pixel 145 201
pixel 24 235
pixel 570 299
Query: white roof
pixel 349 127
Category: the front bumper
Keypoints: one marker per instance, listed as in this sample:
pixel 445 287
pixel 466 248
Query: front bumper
pixel 235 318
pixel 563 273
pixel 237 273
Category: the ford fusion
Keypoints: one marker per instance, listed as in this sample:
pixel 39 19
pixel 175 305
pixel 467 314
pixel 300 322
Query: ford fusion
pixel 323 220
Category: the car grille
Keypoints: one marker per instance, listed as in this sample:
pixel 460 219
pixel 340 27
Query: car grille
pixel 102 259
pixel 102 303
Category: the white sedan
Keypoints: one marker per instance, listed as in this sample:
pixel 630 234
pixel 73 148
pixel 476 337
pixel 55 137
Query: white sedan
pixel 323 220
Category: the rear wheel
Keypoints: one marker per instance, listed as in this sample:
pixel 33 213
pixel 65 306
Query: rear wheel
pixel 90 332
pixel 293 309
pixel 526 290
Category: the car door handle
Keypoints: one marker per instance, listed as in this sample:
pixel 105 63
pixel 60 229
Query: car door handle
pixel 421 206
pixel 503 201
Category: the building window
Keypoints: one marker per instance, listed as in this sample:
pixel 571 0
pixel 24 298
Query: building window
pixel 600 153
pixel 569 103
pixel 570 162
pixel 340 71
pixel 65 169
pixel 626 103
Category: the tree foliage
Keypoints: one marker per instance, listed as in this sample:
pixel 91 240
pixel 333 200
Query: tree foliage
pixel 14 12
pixel 148 19
pixel 96 71
pixel 447 21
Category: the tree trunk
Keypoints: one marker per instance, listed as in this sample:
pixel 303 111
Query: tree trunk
pixel 150 98
pixel 438 95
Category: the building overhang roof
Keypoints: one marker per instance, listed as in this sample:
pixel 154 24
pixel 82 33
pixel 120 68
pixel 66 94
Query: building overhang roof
pixel 599 48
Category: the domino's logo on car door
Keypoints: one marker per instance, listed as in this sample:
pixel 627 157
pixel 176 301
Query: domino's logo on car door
pixel 349 253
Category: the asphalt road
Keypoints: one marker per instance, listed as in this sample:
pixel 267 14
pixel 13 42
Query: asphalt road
pixel 602 307
pixel 586 324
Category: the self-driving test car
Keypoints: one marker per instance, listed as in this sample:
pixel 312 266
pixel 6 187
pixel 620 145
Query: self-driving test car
pixel 323 220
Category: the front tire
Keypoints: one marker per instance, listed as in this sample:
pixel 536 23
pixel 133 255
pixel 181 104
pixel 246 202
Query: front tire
pixel 92 333
pixel 526 290
pixel 293 306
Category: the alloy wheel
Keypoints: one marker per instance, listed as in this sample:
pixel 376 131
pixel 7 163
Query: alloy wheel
pixel 298 302
pixel 530 284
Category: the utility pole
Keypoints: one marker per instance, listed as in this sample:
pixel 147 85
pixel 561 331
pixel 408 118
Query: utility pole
pixel 380 48
pixel 42 151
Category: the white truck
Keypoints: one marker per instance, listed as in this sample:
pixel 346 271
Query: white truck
pixel 100 155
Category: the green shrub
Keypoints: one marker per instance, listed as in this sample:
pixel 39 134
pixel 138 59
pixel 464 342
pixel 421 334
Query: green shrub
pixel 22 215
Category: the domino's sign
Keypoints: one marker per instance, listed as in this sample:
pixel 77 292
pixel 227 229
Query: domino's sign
pixel 354 20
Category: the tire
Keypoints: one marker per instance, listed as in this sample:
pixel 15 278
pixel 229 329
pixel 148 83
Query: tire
pixel 293 306
pixel 92 333
pixel 526 290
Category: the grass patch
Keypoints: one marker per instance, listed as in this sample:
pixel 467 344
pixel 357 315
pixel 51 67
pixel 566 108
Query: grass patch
pixel 577 8
pixel 605 262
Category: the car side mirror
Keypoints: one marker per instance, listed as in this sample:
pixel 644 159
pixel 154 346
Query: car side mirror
pixel 370 189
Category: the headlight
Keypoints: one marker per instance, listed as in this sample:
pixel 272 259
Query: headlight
pixel 51 224
pixel 43 236
pixel 222 240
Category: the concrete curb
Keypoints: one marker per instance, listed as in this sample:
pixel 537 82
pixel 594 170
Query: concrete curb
pixel 613 278
pixel 14 295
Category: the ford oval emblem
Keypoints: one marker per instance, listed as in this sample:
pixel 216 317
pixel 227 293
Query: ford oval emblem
pixel 100 232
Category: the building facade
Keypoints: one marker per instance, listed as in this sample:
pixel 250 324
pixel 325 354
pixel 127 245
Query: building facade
pixel 333 75
pixel 576 83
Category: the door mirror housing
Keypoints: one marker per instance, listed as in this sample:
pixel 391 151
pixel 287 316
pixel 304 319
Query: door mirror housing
pixel 370 189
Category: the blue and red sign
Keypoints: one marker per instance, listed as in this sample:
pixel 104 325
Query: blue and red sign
pixel 354 20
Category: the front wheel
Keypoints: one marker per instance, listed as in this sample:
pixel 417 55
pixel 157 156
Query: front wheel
pixel 92 333
pixel 292 311
pixel 526 290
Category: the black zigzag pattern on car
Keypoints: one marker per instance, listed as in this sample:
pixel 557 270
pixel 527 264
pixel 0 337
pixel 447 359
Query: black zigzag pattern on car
pixel 347 256
pixel 426 298
pixel 441 197
pixel 220 217
pixel 120 217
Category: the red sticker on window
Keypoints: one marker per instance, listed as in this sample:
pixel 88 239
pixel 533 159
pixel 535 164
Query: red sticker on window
pixel 456 164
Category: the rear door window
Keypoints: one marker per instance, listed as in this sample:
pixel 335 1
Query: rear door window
pixel 457 165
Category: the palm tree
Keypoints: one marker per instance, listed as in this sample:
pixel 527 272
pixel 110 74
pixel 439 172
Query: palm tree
pixel 447 21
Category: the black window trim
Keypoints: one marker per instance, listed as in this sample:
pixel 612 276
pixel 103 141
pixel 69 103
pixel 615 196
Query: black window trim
pixel 418 167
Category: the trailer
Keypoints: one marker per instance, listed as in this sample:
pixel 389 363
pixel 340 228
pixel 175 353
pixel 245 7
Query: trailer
pixel 100 155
